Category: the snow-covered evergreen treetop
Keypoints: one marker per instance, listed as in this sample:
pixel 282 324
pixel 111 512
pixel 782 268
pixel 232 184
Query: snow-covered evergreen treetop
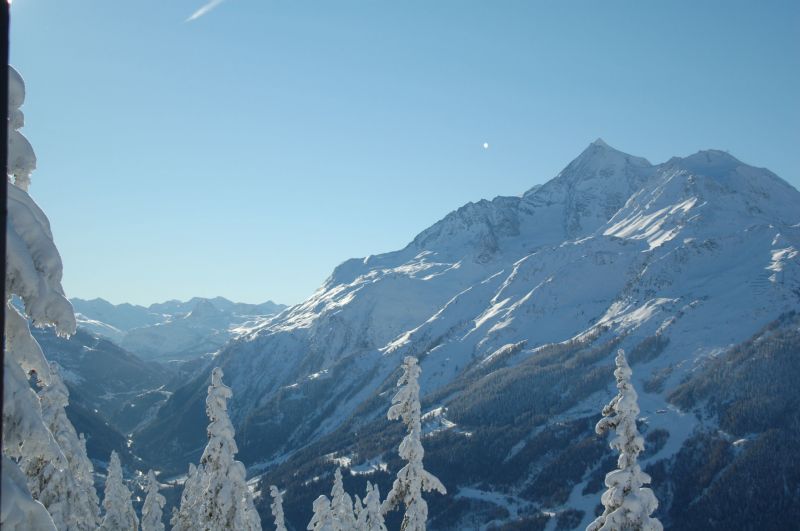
pixel 187 515
pixel 216 496
pixel 277 508
pixel 370 517
pixel 153 506
pixel 341 505
pixel 220 430
pixel 119 513
pixel 628 505
pixel 322 519
pixel 412 479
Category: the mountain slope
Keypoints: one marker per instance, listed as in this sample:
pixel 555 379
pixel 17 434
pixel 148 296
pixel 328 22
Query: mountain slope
pixel 515 307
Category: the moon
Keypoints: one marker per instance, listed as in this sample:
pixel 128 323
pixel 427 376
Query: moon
pixel 486 145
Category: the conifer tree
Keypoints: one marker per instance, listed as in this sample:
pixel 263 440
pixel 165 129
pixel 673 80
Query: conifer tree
pixel 341 505
pixel 412 479
pixel 84 475
pixel 628 504
pixel 359 511
pixel 216 496
pixel 33 273
pixel 63 481
pixel 322 520
pixel 370 517
pixel 153 506
pixel 51 484
pixel 119 514
pixel 277 508
pixel 187 516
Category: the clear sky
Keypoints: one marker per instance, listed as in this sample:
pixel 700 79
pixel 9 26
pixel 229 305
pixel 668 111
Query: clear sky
pixel 248 151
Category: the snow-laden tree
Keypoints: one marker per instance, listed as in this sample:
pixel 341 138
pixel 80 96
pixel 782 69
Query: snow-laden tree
pixel 628 504
pixel 82 496
pixel 369 516
pixel 50 482
pixel 119 514
pixel 412 479
pixel 341 505
pixel 33 273
pixel 63 482
pixel 187 516
pixel 359 512
pixel 153 506
pixel 216 496
pixel 322 519
pixel 21 158
pixel 84 476
pixel 277 508
pixel 18 510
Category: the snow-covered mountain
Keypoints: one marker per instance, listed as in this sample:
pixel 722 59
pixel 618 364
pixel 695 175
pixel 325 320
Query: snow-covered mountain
pixel 515 307
pixel 172 329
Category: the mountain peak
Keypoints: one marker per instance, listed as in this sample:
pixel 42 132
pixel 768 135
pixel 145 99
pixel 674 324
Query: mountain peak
pixel 203 308
pixel 599 154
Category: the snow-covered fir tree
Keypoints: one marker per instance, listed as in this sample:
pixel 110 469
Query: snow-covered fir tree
pixel 341 505
pixel 153 506
pixel 412 479
pixel 370 517
pixel 358 511
pixel 33 273
pixel 51 484
pixel 216 496
pixel 19 511
pixel 82 496
pixel 628 504
pixel 277 508
pixel 187 516
pixel 322 519
pixel 119 514
pixel 63 482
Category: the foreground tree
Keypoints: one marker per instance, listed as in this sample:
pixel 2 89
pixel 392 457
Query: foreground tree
pixel 64 481
pixel 369 517
pixel 119 513
pixel 277 508
pixel 84 503
pixel 322 519
pixel 216 496
pixel 628 505
pixel 187 516
pixel 153 506
pixel 341 505
pixel 33 273
pixel 412 479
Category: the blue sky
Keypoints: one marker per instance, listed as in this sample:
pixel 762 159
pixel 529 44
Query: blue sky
pixel 249 151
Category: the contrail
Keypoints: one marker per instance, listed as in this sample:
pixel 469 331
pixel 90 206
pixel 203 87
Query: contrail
pixel 205 9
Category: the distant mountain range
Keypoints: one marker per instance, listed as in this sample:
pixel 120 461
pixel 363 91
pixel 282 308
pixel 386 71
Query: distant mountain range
pixel 115 389
pixel 172 329
pixel 515 308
